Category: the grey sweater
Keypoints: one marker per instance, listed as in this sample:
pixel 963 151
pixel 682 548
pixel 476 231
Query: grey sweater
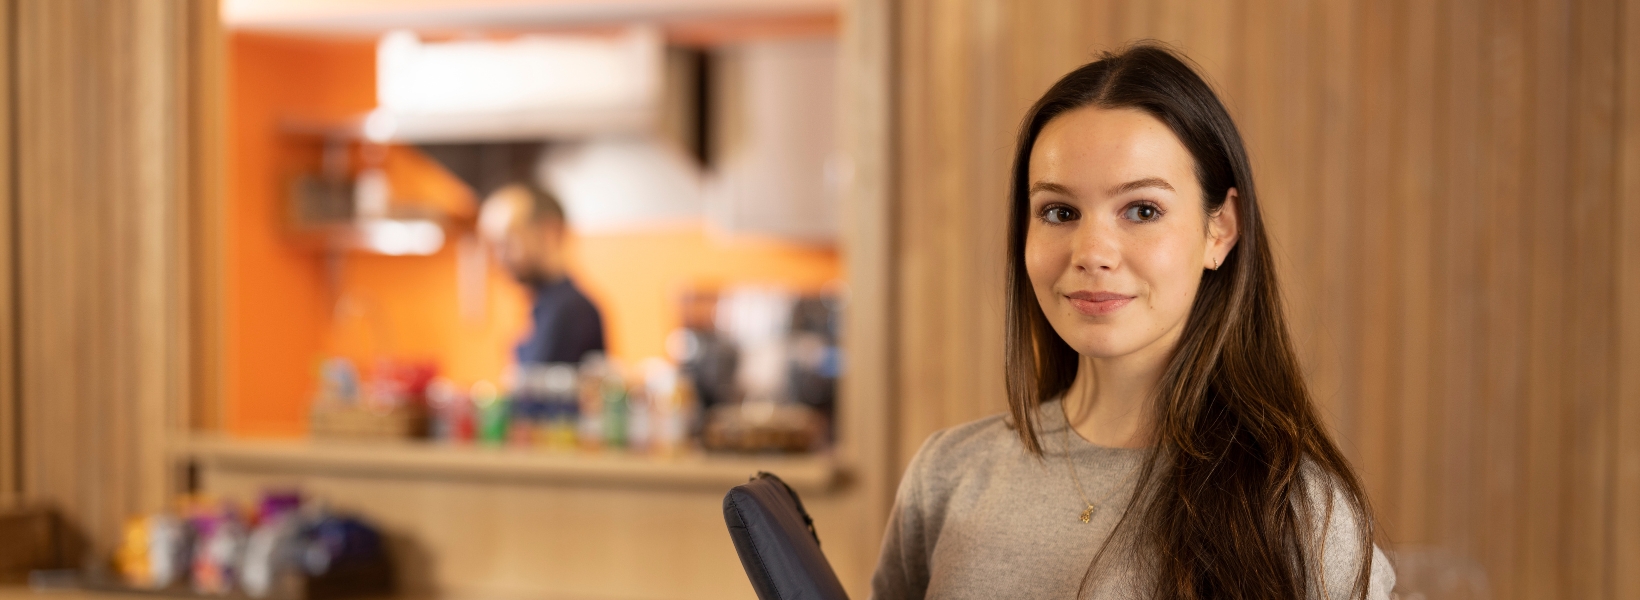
pixel 977 516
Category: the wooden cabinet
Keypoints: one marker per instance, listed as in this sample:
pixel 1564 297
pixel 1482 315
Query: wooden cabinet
pixel 493 522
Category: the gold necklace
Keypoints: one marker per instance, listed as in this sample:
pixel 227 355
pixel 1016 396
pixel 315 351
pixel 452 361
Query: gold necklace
pixel 1087 514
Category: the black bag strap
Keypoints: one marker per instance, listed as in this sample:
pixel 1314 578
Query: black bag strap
pixel 807 520
pixel 767 530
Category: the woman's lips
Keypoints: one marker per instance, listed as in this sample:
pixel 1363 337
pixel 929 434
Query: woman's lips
pixel 1097 303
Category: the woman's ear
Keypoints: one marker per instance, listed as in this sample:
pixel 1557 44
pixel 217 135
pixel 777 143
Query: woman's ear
pixel 1223 228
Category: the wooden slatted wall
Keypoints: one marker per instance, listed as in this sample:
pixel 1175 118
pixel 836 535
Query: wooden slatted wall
pixel 107 163
pixel 1454 191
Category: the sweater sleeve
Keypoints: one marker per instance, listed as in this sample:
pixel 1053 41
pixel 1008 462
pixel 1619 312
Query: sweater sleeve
pixel 1337 533
pixel 902 566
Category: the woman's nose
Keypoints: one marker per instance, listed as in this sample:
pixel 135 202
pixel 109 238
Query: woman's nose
pixel 1095 247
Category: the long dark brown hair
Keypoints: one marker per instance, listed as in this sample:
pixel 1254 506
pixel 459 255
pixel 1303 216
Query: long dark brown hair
pixel 1221 510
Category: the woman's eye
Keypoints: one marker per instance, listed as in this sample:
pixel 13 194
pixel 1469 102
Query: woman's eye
pixel 1141 213
pixel 1058 214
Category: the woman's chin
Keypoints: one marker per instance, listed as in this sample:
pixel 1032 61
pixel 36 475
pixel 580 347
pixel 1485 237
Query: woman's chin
pixel 1104 347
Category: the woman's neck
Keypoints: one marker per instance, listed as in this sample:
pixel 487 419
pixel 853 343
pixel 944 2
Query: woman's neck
pixel 1109 402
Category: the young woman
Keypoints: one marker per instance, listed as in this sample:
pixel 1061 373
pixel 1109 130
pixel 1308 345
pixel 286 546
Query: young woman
pixel 1161 442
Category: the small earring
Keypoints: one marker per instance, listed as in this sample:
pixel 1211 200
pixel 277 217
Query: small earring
pixel 1215 263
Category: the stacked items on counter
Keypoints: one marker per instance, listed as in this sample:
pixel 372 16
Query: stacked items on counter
pixel 755 370
pixel 392 404
pixel 767 360
pixel 284 549
pixel 594 405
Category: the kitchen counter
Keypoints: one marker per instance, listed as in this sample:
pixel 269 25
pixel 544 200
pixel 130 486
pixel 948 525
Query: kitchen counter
pixel 20 592
pixel 806 473
pixel 488 522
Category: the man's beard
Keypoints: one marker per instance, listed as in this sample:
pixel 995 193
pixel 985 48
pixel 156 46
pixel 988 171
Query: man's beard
pixel 530 277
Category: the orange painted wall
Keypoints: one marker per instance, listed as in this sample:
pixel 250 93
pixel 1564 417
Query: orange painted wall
pixel 288 308
pixel 277 306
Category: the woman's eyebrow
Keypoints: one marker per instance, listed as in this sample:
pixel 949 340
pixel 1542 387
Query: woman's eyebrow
pixel 1049 186
pixel 1148 182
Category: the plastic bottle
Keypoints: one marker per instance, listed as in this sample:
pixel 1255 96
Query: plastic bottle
pixel 562 407
pixel 673 405
pixel 523 413
pixel 615 409
pixel 639 417
pixel 442 404
pixel 491 411
pixel 590 401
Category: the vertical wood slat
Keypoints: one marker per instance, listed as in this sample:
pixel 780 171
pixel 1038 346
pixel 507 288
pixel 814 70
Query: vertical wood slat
pixel 1463 108
pixel 1419 330
pixel 1371 264
pixel 1592 263
pixel 1625 424
pixel 1452 187
pixel 989 142
pixel 1334 143
pixel 9 429
pixel 913 50
pixel 160 313
pixel 102 253
pixel 1501 260
pixel 868 143
pixel 204 79
pixel 1544 165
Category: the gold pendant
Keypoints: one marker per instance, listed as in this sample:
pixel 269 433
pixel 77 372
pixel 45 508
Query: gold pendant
pixel 1087 515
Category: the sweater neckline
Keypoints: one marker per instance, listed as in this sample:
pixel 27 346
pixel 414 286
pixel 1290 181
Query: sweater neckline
pixel 1051 431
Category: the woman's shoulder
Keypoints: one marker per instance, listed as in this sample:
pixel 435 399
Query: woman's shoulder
pixel 987 440
pixel 946 455
pixel 955 462
pixel 975 439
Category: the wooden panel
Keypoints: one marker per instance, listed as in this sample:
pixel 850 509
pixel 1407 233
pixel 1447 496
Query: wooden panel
pixel 1451 189
pixel 866 407
pixel 101 253
pixel 533 538
pixel 9 442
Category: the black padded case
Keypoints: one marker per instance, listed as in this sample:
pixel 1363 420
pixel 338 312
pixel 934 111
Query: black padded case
pixel 777 543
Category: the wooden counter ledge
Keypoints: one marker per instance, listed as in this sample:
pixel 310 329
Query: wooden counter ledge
pixel 817 473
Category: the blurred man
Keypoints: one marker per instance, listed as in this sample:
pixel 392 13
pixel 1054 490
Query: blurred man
pixel 524 228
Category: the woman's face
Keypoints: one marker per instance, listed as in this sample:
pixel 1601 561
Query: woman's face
pixel 1118 235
